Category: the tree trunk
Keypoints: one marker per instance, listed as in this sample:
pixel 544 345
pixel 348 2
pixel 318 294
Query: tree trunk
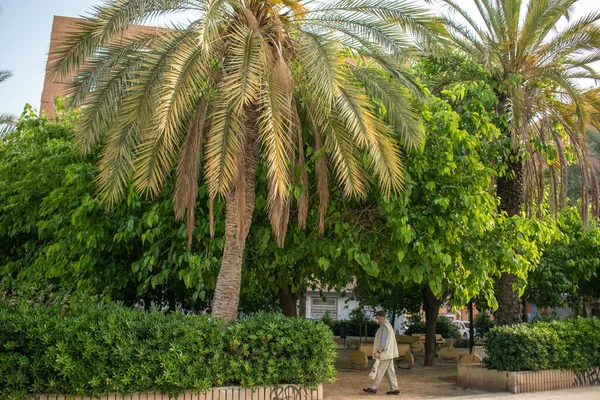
pixel 595 312
pixel 302 306
pixel 431 305
pixel 510 191
pixel 471 327
pixel 524 316
pixel 509 303
pixel 227 290
pixel 287 302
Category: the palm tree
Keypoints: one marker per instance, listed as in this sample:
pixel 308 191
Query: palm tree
pixel 246 80
pixel 7 121
pixel 535 65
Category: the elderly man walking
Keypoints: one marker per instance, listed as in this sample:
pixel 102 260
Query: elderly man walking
pixel 385 350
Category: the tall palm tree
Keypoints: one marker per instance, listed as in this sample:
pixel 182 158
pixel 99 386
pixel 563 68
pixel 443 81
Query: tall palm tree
pixel 536 65
pixel 7 121
pixel 243 80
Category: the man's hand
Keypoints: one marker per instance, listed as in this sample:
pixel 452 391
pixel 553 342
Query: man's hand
pixel 376 355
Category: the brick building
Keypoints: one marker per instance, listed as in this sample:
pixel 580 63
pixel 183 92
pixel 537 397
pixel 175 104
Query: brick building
pixel 55 86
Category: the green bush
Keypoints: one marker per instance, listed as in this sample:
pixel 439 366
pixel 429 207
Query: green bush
pixel 97 349
pixel 483 324
pixel 569 344
pixel 355 326
pixel 443 327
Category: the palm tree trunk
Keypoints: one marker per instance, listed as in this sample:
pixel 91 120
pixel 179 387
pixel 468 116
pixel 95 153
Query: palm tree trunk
pixel 227 291
pixel 510 192
pixel 431 305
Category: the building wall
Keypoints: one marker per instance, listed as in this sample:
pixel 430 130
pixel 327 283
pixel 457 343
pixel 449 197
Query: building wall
pixel 55 86
pixel 343 308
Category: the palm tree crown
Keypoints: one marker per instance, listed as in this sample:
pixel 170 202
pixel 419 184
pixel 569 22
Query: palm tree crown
pixel 538 68
pixel 241 80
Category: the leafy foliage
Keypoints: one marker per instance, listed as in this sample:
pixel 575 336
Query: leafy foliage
pixel 443 327
pixel 268 349
pixel 440 233
pixel 570 344
pixel 483 323
pixel 354 326
pixel 55 233
pixel 98 349
pixel 568 270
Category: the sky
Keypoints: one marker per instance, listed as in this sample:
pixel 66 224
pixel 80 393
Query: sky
pixel 25 27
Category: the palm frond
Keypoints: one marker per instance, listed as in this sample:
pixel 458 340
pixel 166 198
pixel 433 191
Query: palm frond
pixel 365 32
pixel 409 16
pixel 345 158
pixel 8 123
pixel 224 147
pixel 369 133
pixel 183 85
pixel 216 12
pixel 296 127
pixel 188 169
pixel 108 22
pixel 321 170
pixel 4 75
pixel 100 88
pixel 319 60
pixel 116 162
pixel 276 138
pixel 243 68
pixel 397 102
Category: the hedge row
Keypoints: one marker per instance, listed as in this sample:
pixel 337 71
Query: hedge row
pixel 97 349
pixel 569 344
pixel 352 328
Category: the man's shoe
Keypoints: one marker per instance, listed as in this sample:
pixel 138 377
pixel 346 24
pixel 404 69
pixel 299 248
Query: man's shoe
pixel 369 390
pixel 395 392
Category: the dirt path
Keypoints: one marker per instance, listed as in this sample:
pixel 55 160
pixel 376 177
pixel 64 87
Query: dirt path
pixel 415 384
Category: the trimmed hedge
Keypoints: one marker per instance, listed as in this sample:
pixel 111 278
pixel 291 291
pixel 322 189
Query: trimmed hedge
pixel 352 329
pixel 97 349
pixel 569 344
pixel 443 327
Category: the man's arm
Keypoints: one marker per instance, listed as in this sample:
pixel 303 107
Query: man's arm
pixel 383 343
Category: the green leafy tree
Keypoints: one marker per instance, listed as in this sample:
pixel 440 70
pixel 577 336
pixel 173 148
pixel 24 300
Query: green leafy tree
pixel 449 237
pixel 567 275
pixel 483 323
pixel 55 234
pixel 437 237
pixel 235 85
pixel 534 65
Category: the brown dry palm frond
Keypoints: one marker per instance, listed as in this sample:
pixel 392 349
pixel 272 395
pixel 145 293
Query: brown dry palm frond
pixel 537 65
pixel 183 98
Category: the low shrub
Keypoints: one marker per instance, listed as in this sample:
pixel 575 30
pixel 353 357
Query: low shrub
pixel 97 349
pixel 483 324
pixel 443 327
pixel 352 329
pixel 569 344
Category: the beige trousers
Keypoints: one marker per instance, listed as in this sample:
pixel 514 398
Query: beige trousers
pixel 386 367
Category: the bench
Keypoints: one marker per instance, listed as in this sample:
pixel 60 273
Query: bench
pixel 418 347
pixel 448 352
pixel 478 353
pixel 359 359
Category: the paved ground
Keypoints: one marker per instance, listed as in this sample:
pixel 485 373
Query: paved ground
pixel 432 383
